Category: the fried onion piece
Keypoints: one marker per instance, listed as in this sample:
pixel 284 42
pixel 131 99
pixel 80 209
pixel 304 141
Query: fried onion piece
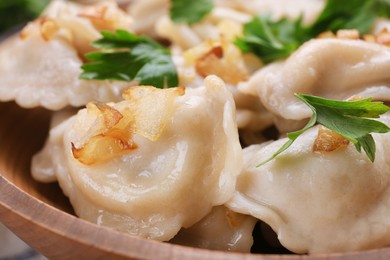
pixel 104 147
pixel 110 143
pixel 145 112
pixel 46 27
pixel 151 109
pixel 328 141
pixel 350 34
pixel 106 16
pixel 383 37
pixel 215 57
pixel 110 115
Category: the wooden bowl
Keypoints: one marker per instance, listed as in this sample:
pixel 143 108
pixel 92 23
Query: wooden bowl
pixel 42 216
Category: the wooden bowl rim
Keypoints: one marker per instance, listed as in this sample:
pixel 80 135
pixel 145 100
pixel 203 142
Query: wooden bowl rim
pixel 16 201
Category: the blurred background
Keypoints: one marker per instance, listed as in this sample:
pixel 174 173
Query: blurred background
pixel 12 248
pixel 15 13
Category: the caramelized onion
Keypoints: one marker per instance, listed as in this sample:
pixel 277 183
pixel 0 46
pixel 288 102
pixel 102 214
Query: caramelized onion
pixel 46 27
pixel 111 115
pixel 146 112
pixel 328 141
pixel 106 16
pixel 215 57
pixel 383 37
pixel 151 109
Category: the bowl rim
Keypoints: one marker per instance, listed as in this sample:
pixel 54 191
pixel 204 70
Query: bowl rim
pixel 15 202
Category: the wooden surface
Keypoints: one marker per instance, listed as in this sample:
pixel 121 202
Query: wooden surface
pixel 42 216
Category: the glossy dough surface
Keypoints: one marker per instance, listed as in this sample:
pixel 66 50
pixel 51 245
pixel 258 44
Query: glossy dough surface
pixel 222 229
pixel 318 202
pixel 330 68
pixel 41 66
pixel 162 185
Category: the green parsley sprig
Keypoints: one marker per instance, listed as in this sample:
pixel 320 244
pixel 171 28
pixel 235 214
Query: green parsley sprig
pixel 273 40
pixel 190 12
pixel 347 118
pixel 128 57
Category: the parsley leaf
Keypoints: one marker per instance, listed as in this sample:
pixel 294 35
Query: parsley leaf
pixel 190 12
pixel 347 118
pixel 357 14
pixel 383 8
pixel 273 40
pixel 270 40
pixel 130 57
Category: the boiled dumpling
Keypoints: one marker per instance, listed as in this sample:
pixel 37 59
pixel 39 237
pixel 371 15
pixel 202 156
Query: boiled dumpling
pixel 83 23
pixel 149 165
pixel 146 15
pixel 187 36
pixel 223 59
pixel 317 201
pixel 222 229
pixel 228 17
pixel 209 46
pixel 277 9
pixel 41 67
pixel 330 68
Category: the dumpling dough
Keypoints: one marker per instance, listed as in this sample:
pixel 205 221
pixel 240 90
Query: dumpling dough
pixel 236 13
pixel 330 68
pixel 250 113
pixel 41 67
pixel 319 202
pixel 146 13
pixel 161 186
pixel 222 229
pixel 278 9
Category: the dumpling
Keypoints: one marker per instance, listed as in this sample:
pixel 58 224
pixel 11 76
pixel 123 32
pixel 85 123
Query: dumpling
pixel 83 23
pixel 330 68
pixel 187 36
pixel 317 201
pixel 149 165
pixel 278 9
pixel 222 229
pixel 152 17
pixel 227 17
pixel 146 14
pixel 41 67
pixel 223 59
pixel 209 46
